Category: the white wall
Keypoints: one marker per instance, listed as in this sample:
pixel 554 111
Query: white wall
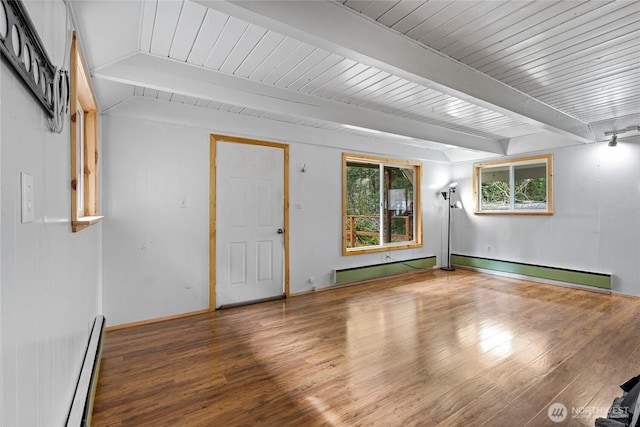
pixel 49 277
pixel 156 254
pixel 2 71
pixel 156 264
pixel 595 225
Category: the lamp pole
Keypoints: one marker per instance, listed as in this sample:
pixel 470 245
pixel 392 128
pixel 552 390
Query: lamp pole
pixel 447 197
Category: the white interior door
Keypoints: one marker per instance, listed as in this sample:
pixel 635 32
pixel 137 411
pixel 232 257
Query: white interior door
pixel 249 222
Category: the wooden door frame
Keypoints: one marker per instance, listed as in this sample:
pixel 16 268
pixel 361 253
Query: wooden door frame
pixel 212 208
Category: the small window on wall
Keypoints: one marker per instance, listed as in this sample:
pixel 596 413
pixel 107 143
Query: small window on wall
pixel 381 200
pixel 517 186
pixel 84 143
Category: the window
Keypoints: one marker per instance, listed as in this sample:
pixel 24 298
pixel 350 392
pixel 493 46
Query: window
pixel 517 186
pixel 84 143
pixel 381 204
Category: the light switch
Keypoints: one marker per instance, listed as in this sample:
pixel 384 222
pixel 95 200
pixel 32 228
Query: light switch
pixel 26 181
pixel 182 203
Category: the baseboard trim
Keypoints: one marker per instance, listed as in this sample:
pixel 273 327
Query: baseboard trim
pixel 622 294
pixel 537 280
pixel 376 271
pixel 360 282
pixel 155 320
pixel 552 275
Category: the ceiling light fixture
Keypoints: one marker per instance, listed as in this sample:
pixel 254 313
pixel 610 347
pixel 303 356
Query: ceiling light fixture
pixel 614 134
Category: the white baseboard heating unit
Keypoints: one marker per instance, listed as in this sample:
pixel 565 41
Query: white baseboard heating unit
pixel 82 405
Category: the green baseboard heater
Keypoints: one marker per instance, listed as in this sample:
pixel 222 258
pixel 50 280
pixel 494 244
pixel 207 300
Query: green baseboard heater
pixel 575 277
pixel 368 272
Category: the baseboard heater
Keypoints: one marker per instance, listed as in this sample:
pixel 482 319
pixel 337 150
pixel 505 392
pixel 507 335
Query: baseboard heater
pixel 601 281
pixel 82 405
pixel 376 271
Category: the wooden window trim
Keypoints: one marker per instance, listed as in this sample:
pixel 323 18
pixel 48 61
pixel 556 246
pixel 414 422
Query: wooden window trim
pixel 417 209
pixel 548 158
pixel 81 95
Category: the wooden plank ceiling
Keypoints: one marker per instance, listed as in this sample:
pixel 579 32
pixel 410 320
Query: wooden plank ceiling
pixel 511 69
pixel 579 57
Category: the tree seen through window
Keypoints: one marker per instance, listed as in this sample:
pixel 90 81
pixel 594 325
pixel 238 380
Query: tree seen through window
pixel 379 204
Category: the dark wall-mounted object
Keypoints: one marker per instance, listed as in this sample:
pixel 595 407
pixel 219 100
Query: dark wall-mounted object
pixel 22 48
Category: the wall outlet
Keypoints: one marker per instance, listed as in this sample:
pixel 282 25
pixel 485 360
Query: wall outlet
pixel 26 181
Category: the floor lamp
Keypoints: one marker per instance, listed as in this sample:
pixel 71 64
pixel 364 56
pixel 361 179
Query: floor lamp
pixel 447 197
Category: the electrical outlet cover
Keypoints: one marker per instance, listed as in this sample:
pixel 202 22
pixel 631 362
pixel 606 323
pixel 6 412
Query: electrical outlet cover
pixel 26 181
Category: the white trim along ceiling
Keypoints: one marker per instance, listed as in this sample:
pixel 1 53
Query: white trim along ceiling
pixel 488 78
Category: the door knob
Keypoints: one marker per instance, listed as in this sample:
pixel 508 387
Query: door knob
pixel 280 231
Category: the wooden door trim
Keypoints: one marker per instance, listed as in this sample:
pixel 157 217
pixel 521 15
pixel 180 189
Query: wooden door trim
pixel 212 207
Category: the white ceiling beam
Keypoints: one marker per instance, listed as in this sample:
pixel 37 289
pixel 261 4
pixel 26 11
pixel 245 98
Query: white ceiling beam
pixel 541 141
pixel 181 78
pixel 226 123
pixel 340 30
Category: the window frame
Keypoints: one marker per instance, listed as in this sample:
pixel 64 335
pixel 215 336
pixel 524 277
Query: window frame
pixel 511 163
pixel 84 142
pixel 80 159
pixel 417 206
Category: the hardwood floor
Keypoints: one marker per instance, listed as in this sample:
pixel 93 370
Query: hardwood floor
pixel 431 348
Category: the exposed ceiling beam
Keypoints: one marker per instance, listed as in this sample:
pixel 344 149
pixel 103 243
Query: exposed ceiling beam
pixel 340 30
pixel 178 77
pixel 226 123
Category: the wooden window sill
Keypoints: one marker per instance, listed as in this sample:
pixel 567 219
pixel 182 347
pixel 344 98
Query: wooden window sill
pixel 84 222
pixel 506 212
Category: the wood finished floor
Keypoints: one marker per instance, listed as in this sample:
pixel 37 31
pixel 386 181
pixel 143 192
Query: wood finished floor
pixel 430 349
